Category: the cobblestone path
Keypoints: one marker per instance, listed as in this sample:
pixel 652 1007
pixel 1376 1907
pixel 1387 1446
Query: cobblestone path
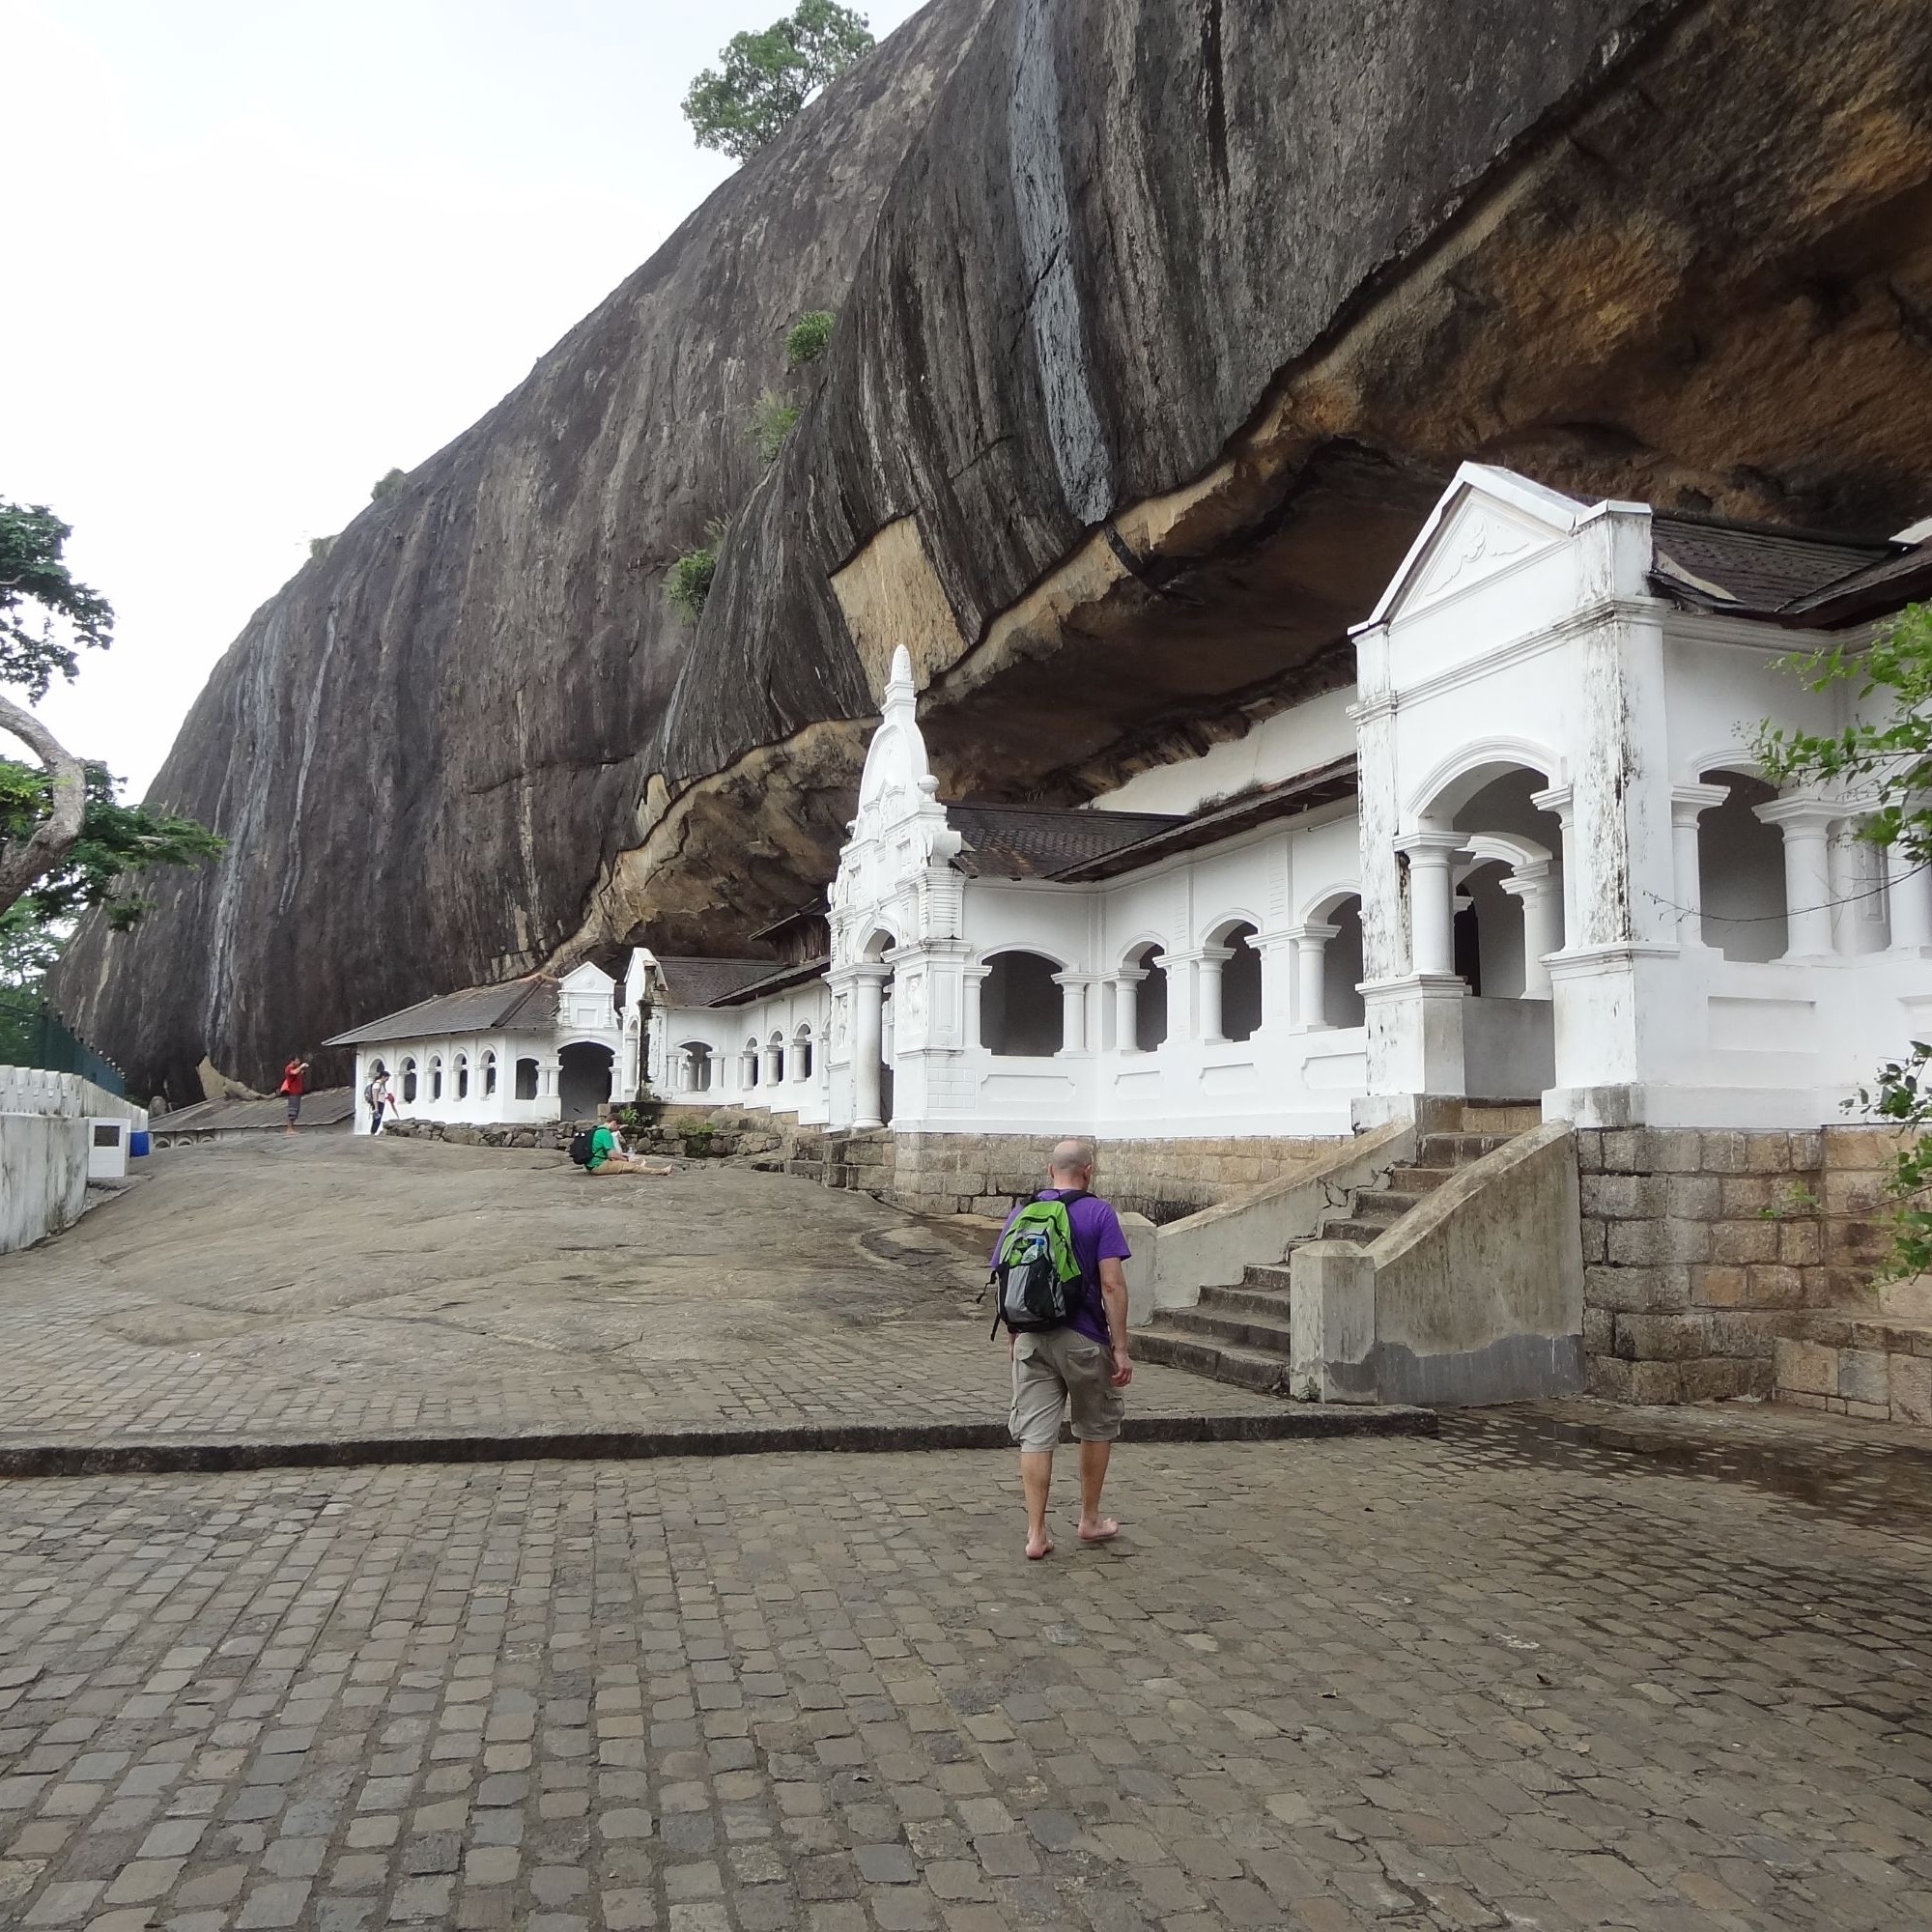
pixel 1395 1682
pixel 329 1288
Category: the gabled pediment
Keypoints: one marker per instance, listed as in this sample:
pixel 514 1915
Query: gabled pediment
pixel 1488 521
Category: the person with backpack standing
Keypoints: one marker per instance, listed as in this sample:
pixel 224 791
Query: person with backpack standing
pixel 1062 1294
pixel 381 1096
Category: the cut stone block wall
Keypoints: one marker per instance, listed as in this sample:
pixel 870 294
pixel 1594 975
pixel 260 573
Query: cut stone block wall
pixel 984 1174
pixel 1703 1250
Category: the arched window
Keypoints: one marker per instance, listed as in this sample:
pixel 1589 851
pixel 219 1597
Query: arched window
pixel 461 1068
pixel 435 1076
pixel 1149 999
pixel 776 1061
pixel 751 1063
pixel 801 1054
pixel 1020 1005
pixel 695 1058
pixel 527 1080
pixel 1741 872
pixel 1342 965
pixel 409 1078
pixel 1241 983
pixel 489 1075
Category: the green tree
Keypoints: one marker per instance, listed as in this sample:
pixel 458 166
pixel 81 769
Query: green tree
pixel 66 841
pixel 766 77
pixel 386 485
pixel 806 339
pixel 1882 758
pixel 687 582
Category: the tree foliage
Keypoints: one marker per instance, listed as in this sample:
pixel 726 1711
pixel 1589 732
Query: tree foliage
pixel 766 77
pixel 1884 759
pixel 46 617
pixel 117 844
pixel 386 485
pixel 806 339
pixel 687 582
pixel 773 418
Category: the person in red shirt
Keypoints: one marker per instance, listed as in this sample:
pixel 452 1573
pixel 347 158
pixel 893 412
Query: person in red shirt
pixel 295 1083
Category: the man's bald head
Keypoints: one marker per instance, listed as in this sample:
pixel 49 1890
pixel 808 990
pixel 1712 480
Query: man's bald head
pixel 1072 1161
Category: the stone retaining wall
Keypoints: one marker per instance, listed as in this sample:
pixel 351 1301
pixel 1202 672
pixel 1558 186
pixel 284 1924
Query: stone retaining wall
pixel 1702 1249
pixel 984 1174
pixel 693 1140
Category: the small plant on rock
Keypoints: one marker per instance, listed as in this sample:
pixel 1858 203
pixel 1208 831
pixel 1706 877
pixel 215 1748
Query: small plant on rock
pixel 687 582
pixel 806 339
pixel 772 420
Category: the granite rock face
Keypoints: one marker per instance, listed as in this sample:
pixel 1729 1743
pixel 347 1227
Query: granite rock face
pixel 1160 324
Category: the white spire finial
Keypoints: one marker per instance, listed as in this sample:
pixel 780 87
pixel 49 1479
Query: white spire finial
pixel 899 687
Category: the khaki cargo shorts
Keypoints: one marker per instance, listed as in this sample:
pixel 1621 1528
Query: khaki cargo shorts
pixel 1053 1367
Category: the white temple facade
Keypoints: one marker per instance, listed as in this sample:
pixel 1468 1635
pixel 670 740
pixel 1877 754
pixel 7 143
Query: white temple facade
pixel 1533 858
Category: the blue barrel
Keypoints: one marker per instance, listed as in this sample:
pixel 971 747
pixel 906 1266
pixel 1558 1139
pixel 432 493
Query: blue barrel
pixel 137 1142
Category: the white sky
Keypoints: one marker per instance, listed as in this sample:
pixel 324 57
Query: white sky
pixel 265 251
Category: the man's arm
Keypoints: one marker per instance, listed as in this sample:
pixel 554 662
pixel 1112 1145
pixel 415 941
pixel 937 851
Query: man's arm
pixel 1114 1298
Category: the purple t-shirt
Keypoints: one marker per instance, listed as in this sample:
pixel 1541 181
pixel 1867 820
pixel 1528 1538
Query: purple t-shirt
pixel 1097 1236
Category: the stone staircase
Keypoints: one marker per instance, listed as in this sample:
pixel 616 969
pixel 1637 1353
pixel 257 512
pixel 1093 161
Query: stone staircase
pixel 1240 1333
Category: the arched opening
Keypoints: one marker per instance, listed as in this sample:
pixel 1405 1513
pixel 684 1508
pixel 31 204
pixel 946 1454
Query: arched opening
pixel 1020 1007
pixel 1342 965
pixel 747 1062
pixel 775 1061
pixel 409 1078
pixel 460 1066
pixel 583 1079
pixel 1741 871
pixel 527 1080
pixel 1240 982
pixel 435 1076
pixel 489 1076
pixel 801 1054
pixel 1149 999
pixel 1489 925
pixel 695 1056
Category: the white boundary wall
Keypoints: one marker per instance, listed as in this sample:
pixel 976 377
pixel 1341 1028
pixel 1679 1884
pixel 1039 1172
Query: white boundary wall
pixel 44 1141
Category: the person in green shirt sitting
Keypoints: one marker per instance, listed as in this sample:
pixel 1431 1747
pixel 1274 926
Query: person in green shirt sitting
pixel 607 1156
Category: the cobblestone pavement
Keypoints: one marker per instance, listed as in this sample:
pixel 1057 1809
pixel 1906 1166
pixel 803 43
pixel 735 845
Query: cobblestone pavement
pixel 327 1288
pixel 1394 1683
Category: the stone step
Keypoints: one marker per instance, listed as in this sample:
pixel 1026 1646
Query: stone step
pixel 1361 1228
pixel 1501 1117
pixel 1263 1304
pixel 1389 1204
pixel 1225 1361
pixel 1258 1274
pixel 1270 1334
pixel 1459 1149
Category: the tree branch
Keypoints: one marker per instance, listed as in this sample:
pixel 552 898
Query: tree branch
pixel 24 865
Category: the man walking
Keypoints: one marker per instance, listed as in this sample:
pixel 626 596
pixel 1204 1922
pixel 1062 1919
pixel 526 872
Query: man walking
pixel 1082 1361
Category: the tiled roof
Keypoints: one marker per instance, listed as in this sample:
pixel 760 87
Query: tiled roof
pixel 707 983
pixel 801 975
pixel 1011 841
pixel 1873 591
pixel 518 1006
pixel 1753 570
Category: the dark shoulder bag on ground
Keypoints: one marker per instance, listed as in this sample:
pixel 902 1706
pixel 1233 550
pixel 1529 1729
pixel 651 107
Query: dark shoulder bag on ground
pixel 1037 1281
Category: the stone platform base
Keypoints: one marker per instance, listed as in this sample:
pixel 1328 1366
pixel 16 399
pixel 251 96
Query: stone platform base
pixel 1853 1364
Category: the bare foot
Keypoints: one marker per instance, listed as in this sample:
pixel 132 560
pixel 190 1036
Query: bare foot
pixel 1039 1546
pixel 1102 1530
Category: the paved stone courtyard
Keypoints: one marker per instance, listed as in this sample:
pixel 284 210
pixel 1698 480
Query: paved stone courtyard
pixel 1394 1683
pixel 325 1287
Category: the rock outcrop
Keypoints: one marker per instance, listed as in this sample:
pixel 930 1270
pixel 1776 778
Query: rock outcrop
pixel 1159 324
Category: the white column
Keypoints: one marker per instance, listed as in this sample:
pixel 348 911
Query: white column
pixel 1209 963
pixel 868 1039
pixel 1431 933
pixel 1561 801
pixel 975 978
pixel 1688 805
pixel 1909 899
pixel 1806 826
pixel 1128 1008
pixel 1072 1012
pixel 1534 887
pixel 1311 966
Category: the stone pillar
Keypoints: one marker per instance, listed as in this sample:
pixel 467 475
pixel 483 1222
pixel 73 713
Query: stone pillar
pixel 1431 933
pixel 1128 1008
pixel 1909 895
pixel 1688 805
pixel 868 988
pixel 1311 965
pixel 1534 887
pixel 1072 1012
pixel 1210 960
pixel 975 977
pixel 1807 825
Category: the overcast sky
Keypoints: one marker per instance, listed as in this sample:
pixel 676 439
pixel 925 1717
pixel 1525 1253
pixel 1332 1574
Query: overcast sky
pixel 265 251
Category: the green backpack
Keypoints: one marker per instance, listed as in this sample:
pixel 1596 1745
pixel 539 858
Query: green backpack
pixel 1037 1281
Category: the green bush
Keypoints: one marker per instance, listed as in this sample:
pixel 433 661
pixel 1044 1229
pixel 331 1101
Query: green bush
pixel 320 547
pixel 687 582
pixel 772 420
pixel 385 485
pixel 806 337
